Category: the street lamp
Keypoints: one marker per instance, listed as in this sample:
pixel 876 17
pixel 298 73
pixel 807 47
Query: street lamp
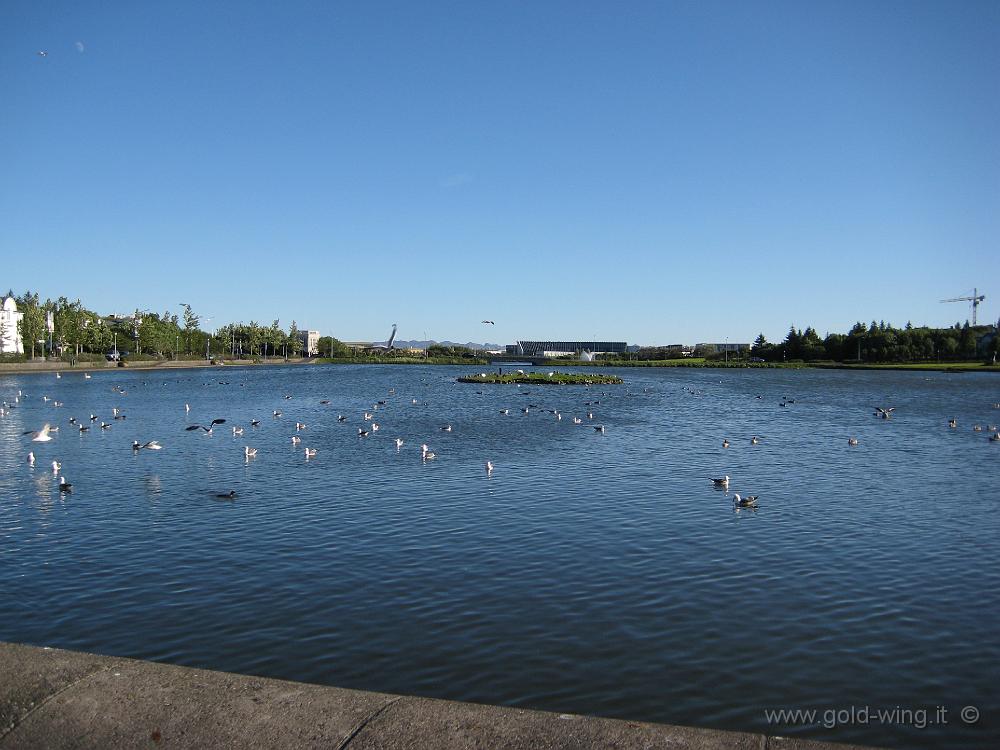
pixel 187 340
pixel 208 341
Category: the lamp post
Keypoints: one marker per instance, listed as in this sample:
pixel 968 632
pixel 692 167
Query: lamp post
pixel 208 341
pixel 187 341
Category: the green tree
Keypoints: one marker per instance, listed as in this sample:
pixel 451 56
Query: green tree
pixel 32 325
pixel 274 337
pixel 191 322
pixel 332 347
pixel 294 342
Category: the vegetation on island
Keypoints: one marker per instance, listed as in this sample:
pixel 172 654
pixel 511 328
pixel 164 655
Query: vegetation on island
pixel 541 378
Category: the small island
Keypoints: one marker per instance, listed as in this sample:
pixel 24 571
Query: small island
pixel 542 378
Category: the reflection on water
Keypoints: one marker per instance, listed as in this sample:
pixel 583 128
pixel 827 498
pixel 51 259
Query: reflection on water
pixel 588 572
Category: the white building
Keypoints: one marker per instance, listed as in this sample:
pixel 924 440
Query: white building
pixel 310 342
pixel 10 333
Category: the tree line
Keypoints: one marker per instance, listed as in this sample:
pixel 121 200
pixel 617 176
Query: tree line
pixel 876 342
pixel 79 331
pixel 882 342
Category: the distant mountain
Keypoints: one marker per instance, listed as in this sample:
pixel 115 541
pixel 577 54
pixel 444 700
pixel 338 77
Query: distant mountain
pixel 415 344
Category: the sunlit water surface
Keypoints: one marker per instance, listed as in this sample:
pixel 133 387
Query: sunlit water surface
pixel 593 573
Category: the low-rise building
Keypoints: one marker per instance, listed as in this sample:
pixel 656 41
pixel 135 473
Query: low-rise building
pixel 562 348
pixel 310 343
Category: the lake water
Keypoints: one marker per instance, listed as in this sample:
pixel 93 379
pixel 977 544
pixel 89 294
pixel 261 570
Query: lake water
pixel 591 573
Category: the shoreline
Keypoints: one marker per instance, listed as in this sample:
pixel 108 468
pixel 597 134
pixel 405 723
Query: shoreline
pixel 28 368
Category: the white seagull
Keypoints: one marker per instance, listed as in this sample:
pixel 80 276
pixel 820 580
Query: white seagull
pixel 42 436
pixel 721 482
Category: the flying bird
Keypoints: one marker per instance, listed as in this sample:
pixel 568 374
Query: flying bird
pixel 208 430
pixel 42 53
pixel 490 322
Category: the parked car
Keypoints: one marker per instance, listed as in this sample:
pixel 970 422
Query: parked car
pixel 115 356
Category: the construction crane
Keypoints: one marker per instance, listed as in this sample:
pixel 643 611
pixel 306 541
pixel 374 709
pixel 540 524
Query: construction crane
pixel 975 299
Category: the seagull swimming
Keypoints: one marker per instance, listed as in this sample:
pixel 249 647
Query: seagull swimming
pixel 750 501
pixel 341 418
pixel 884 413
pixel 31 458
pixel 725 443
pixel 237 431
pixel 723 482
pixel 56 466
pixel 64 486
pixel 249 452
pixel 152 445
pixel 852 441
pixel 399 444
pixel 231 495
pixel 952 423
pixel 599 428
pixel 310 453
pixel 754 440
pixel 296 440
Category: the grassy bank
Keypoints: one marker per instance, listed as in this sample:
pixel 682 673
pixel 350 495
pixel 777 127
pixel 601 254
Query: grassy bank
pixel 693 362
pixel 400 361
pixel 687 362
pixel 541 378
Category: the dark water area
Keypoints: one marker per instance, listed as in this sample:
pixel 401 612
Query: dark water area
pixel 595 573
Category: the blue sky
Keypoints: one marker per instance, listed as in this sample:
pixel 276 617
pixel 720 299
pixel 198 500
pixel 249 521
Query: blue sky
pixel 655 171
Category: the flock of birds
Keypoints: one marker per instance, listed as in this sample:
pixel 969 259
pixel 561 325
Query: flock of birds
pixel 45 434
pixel 881 412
